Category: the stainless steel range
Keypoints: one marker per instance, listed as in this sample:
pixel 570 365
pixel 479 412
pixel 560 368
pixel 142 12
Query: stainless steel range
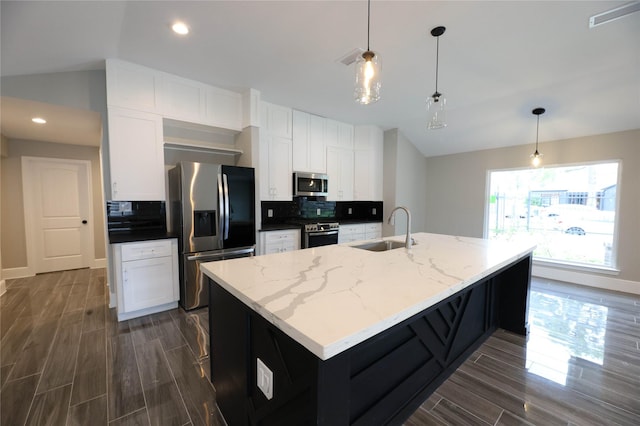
pixel 320 234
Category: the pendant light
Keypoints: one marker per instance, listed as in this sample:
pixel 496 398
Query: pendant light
pixel 536 157
pixel 437 103
pixel 367 87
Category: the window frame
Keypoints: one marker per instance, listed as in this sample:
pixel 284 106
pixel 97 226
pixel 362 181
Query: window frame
pixel 613 267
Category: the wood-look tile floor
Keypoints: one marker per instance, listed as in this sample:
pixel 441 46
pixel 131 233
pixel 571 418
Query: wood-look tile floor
pixel 66 360
pixel 580 366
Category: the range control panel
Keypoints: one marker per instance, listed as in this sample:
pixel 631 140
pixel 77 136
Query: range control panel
pixel 315 227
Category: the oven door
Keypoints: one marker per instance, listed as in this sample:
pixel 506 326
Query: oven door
pixel 320 238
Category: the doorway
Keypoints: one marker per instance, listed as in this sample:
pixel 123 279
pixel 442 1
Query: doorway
pixel 57 203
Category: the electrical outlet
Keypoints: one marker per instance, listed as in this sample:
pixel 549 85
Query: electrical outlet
pixel 318 212
pixel 349 211
pixel 269 212
pixel 373 211
pixel 264 379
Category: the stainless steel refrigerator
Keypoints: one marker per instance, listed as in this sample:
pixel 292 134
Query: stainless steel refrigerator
pixel 212 210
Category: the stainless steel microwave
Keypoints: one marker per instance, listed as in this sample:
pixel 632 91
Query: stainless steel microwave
pixel 310 184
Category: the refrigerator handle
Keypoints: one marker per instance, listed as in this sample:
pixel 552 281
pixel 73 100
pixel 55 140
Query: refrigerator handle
pixel 226 206
pixel 221 204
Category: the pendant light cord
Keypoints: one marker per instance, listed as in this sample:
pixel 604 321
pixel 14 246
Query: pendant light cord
pixel 437 56
pixel 368 22
pixel 537 128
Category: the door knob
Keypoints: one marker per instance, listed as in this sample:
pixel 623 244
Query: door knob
pixel 84 222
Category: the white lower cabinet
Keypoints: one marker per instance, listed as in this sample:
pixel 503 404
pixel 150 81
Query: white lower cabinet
pixel 359 231
pixel 279 241
pixel 372 230
pixel 146 275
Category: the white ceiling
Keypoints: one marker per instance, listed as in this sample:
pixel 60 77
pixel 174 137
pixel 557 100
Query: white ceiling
pixel 64 125
pixel 498 60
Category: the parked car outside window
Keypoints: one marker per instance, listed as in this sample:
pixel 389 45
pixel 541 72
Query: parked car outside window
pixel 577 219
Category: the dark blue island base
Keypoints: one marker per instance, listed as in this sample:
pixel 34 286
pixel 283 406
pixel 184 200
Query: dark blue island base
pixel 380 381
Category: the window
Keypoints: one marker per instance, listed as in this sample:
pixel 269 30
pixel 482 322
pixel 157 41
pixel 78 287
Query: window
pixel 568 211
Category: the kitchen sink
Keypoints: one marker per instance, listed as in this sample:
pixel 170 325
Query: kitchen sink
pixel 380 245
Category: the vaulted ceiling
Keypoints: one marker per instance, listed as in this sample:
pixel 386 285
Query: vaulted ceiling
pixel 498 60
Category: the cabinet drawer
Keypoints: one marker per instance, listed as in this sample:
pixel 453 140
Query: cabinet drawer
pixel 356 228
pixel 373 227
pixel 351 229
pixel 146 250
pixel 278 236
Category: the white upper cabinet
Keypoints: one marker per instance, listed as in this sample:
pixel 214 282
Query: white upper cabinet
pixel 345 135
pixel 275 168
pixel 277 120
pixel 338 134
pixel 223 108
pixel 195 102
pixel 183 99
pixel 309 154
pixel 276 153
pixel 144 89
pixel 132 86
pixel 340 172
pixel 136 155
pixel 368 163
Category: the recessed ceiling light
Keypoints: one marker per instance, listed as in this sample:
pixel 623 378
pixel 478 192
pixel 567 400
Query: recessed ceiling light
pixel 38 120
pixel 180 28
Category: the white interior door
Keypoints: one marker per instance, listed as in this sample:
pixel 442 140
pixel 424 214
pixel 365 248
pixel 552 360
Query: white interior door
pixel 58 212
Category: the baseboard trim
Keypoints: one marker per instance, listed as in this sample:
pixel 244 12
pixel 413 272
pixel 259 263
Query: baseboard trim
pixel 22 272
pixel 3 287
pixel 99 263
pixel 586 279
pixel 147 311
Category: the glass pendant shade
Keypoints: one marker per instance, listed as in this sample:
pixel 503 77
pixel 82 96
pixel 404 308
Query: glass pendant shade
pixel 536 159
pixel 437 103
pixel 368 82
pixel 436 111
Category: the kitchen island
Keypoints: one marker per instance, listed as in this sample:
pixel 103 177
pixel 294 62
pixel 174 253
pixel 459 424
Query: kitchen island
pixel 352 336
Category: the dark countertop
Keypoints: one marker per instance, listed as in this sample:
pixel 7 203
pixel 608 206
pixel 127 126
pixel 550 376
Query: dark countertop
pixel 283 226
pixel 348 221
pixel 279 227
pixel 130 238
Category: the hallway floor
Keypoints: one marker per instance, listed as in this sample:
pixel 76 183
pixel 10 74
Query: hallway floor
pixel 66 360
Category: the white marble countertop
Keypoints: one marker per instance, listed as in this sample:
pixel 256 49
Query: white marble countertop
pixel 331 298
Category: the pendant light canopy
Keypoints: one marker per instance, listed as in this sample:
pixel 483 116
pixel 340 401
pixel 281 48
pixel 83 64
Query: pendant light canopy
pixel 436 104
pixel 536 157
pixel 368 82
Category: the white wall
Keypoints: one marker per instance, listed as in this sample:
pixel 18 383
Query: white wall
pixel 405 174
pixel 456 188
pixel 3 153
pixel 12 207
pixel 77 89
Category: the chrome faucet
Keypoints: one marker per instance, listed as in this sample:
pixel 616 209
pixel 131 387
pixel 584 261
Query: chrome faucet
pixel 408 240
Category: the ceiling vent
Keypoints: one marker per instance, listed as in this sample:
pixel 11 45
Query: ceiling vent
pixel 351 56
pixel 613 14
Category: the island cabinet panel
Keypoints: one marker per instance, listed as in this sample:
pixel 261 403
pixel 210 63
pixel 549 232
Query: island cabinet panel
pixel 380 381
